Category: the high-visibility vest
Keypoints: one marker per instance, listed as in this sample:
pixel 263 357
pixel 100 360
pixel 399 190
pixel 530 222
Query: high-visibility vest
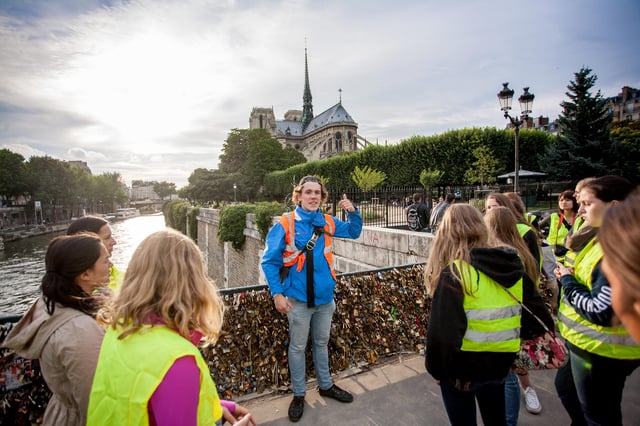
pixel 115 278
pixel 557 231
pixel 611 342
pixel 291 253
pixel 493 316
pixel 129 370
pixel 523 228
pixel 570 256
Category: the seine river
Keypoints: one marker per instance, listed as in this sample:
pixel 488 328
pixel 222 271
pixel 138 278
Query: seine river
pixel 22 262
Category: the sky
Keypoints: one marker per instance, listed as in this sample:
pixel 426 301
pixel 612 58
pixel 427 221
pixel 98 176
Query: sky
pixel 150 89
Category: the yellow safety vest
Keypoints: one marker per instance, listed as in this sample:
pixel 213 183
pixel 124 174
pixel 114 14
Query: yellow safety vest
pixel 115 278
pixel 570 256
pixel 523 228
pixel 611 342
pixel 129 371
pixel 493 316
pixel 291 253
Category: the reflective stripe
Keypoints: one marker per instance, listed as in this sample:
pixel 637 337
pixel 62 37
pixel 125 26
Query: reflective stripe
pixel 493 314
pixel 292 255
pixel 611 339
pixel 492 336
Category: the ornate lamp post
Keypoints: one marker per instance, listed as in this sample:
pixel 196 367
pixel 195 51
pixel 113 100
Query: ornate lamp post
pixel 505 96
pixel 235 187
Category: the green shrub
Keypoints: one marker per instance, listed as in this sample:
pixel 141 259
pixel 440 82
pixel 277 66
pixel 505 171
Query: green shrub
pixel 193 223
pixel 264 215
pixel 232 223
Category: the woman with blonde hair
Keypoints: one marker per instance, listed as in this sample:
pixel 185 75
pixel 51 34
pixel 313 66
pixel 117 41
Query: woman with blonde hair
pixel 501 223
pixel 602 353
pixel 150 370
pixel 467 354
pixel 620 240
pixel 528 233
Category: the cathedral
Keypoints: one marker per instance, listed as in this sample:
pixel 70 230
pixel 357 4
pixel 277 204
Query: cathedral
pixel 317 137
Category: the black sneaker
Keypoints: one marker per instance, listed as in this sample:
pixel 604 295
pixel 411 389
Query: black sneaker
pixel 336 393
pixel 296 408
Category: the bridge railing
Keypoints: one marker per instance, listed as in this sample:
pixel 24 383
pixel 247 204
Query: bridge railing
pixel 378 313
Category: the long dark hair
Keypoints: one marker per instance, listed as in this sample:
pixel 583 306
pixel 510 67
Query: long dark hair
pixel 87 224
pixel 67 257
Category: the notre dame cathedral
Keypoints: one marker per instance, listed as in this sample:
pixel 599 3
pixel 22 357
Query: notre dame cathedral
pixel 317 137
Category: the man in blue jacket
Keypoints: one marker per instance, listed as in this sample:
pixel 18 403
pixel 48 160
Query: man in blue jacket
pixel 298 266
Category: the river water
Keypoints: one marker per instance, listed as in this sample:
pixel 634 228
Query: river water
pixel 22 261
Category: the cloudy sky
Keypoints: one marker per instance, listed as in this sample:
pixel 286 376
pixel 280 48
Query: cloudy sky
pixel 151 88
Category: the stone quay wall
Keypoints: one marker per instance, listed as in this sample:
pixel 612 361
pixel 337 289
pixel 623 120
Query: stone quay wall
pixel 375 248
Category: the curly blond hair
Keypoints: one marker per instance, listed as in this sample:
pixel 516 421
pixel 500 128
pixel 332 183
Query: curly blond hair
pixel 166 279
pixel 297 190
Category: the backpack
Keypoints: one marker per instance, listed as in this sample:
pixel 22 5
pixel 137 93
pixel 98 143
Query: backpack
pixel 413 219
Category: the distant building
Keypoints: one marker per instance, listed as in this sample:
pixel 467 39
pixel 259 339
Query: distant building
pixel 141 190
pixel 625 106
pixel 318 137
pixel 539 123
pixel 81 164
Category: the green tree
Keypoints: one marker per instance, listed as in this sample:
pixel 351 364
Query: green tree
pixel 367 178
pixel 236 148
pixel 485 168
pixel 428 179
pixel 629 139
pixel 164 189
pixel 584 146
pixel 13 174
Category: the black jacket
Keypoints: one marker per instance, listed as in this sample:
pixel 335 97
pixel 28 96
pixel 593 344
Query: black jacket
pixel 448 322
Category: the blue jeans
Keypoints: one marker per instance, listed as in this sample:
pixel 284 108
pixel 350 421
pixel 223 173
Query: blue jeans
pixel 566 389
pixel 599 382
pixel 512 398
pixel 303 319
pixel 461 404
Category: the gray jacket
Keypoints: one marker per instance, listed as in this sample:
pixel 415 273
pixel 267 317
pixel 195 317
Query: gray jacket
pixel 67 344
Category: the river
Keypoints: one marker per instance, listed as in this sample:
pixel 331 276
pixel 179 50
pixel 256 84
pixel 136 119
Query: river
pixel 22 261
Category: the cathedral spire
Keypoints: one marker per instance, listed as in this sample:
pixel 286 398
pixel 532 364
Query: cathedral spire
pixel 307 106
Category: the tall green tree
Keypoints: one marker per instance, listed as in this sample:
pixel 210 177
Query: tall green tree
pixel 584 146
pixel 428 179
pixel 13 174
pixel 484 168
pixel 236 148
pixel 164 188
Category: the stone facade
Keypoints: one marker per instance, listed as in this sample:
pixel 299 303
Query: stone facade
pixel 317 137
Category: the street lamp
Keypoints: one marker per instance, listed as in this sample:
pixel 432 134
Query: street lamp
pixel 526 102
pixel 235 187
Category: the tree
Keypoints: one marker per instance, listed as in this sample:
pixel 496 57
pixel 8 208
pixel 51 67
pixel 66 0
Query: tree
pixel 485 168
pixel 13 177
pixel 367 178
pixel 584 146
pixel 164 189
pixel 430 178
pixel 236 148
pixel 629 139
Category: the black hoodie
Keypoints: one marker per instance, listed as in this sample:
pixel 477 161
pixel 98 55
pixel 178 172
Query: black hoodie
pixel 448 322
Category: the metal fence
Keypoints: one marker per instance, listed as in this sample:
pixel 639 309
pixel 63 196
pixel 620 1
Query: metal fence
pixel 385 207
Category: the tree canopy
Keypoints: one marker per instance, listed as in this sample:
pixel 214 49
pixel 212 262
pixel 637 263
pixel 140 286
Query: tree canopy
pixel 584 146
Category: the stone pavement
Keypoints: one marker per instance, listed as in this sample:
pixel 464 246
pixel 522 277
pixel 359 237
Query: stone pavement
pixel 401 392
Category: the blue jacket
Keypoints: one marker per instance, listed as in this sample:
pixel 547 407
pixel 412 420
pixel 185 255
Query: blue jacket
pixel 295 284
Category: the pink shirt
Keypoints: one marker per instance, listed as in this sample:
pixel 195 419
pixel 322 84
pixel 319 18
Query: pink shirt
pixel 175 400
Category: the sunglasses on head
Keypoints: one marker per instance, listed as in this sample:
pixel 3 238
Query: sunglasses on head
pixel 308 179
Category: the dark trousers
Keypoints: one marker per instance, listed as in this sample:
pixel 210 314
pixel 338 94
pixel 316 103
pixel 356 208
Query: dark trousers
pixel 598 385
pixel 460 402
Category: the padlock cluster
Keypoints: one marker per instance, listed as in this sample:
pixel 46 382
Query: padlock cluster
pixel 378 314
